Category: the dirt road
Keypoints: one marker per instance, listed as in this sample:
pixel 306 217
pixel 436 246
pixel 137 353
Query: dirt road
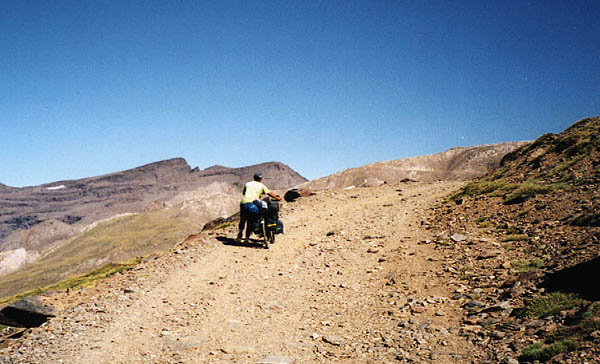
pixel 349 282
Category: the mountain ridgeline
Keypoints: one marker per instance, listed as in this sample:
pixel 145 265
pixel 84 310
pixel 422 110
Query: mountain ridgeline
pixel 456 164
pixel 84 201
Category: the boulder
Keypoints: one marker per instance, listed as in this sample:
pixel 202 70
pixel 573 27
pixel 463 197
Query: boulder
pixel 334 340
pixel 371 182
pixel 458 237
pixel 295 193
pixel 28 312
pixel 211 225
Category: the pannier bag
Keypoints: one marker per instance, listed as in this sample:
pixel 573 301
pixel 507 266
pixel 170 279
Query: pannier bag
pixel 252 209
pixel 276 227
pixel 273 210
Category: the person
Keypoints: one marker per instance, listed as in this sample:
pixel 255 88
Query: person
pixel 252 191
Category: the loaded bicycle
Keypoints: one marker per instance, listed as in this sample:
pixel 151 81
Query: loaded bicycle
pixel 268 223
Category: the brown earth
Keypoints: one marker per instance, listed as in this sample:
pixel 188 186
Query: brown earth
pixel 355 279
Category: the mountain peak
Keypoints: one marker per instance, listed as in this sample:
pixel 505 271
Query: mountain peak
pixel 215 167
pixel 4 187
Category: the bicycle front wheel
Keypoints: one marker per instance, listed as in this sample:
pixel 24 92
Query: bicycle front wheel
pixel 264 234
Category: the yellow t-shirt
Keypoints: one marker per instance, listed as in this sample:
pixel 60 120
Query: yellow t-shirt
pixel 253 190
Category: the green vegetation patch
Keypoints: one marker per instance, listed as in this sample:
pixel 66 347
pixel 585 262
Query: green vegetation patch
pixel 526 190
pixel 477 188
pixel 545 139
pixel 542 352
pixel 512 192
pixel 566 143
pixel 98 274
pixel 224 225
pixel 527 265
pixel 582 136
pixel 514 237
pixel 84 280
pixel 549 305
pixel 593 311
pixel 560 172
pixel 540 142
pixel 583 324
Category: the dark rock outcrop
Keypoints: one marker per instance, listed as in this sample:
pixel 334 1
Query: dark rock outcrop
pixel 293 194
pixel 211 225
pixel 28 312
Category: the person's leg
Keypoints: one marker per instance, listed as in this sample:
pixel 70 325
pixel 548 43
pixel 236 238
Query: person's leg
pixel 249 226
pixel 243 219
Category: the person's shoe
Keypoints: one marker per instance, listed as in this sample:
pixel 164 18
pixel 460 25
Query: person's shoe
pixel 238 239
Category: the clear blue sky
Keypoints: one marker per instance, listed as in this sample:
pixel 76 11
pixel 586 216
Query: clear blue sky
pixel 92 87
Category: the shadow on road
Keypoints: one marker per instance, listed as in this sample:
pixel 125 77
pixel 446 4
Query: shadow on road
pixel 253 243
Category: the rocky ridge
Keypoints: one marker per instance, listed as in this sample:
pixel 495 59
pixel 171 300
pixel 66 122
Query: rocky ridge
pixel 456 164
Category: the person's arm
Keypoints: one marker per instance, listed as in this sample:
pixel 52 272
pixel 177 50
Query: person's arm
pixel 272 195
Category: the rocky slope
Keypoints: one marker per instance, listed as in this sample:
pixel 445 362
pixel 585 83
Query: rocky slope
pixel 528 249
pixel 4 187
pixel 456 164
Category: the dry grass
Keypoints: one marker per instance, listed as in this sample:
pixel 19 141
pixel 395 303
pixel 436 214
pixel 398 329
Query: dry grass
pixel 114 241
pixel 514 237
